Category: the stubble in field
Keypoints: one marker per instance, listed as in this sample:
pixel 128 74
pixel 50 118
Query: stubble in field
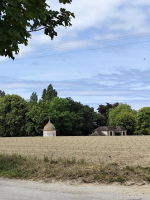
pixel 129 150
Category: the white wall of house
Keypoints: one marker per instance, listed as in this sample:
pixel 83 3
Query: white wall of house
pixel 49 133
pixel 112 133
pixel 124 133
pixel 105 132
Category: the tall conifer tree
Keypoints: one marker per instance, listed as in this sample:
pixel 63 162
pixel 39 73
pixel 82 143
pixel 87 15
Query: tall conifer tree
pixel 49 93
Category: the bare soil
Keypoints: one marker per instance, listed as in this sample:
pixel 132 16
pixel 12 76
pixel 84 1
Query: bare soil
pixel 126 151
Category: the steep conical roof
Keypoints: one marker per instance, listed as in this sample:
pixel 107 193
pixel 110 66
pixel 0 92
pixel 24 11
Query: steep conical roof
pixel 49 127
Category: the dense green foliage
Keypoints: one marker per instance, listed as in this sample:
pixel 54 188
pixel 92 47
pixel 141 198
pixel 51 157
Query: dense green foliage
pixel 67 120
pixel 27 118
pixel 123 116
pixel 13 111
pixel 143 121
pixel 127 120
pixel 34 97
pixel 19 117
pixel 103 110
pixel 18 18
pixel 49 93
pixel 37 117
pixel 2 93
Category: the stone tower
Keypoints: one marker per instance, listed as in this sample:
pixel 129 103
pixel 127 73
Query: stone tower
pixel 49 130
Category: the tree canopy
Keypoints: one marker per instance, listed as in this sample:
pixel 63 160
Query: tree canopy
pixel 127 120
pixel 123 116
pixel 143 121
pixel 2 93
pixel 103 111
pixel 19 117
pixel 69 120
pixel 34 97
pixel 13 109
pixel 18 18
pixel 49 93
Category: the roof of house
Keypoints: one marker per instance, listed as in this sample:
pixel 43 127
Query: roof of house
pixel 110 128
pixel 97 133
pixel 49 127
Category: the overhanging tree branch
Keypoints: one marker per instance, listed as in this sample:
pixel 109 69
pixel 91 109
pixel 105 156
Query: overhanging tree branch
pixel 19 17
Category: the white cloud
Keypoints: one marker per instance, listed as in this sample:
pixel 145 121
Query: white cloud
pixel 82 75
pixel 98 20
pixel 95 14
pixel 95 20
pixel 141 2
pixel 3 58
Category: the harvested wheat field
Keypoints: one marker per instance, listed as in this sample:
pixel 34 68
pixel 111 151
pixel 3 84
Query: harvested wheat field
pixel 130 150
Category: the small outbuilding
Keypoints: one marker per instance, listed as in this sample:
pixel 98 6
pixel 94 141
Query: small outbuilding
pixel 49 130
pixel 109 131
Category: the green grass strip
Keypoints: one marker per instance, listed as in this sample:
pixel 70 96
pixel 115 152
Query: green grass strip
pixel 20 167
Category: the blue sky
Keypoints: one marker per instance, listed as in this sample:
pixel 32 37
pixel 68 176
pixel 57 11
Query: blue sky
pixel 93 61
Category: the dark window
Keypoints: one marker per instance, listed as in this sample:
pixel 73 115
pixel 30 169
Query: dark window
pixel 117 134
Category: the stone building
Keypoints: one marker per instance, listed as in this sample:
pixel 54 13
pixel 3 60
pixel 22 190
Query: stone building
pixel 109 131
pixel 49 130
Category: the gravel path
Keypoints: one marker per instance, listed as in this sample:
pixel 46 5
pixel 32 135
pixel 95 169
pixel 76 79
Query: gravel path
pixel 27 190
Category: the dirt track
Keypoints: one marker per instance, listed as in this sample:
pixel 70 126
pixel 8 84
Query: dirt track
pixel 22 190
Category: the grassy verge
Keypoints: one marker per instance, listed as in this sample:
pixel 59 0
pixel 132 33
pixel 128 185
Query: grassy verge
pixel 19 167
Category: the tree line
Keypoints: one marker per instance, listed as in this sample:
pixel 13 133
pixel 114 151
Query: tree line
pixel 20 117
pixel 135 122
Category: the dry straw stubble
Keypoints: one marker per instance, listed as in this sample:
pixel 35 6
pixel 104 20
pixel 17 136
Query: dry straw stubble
pixel 126 151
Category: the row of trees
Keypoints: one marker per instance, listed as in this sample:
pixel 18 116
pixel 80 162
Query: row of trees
pixel 19 117
pixel 135 122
